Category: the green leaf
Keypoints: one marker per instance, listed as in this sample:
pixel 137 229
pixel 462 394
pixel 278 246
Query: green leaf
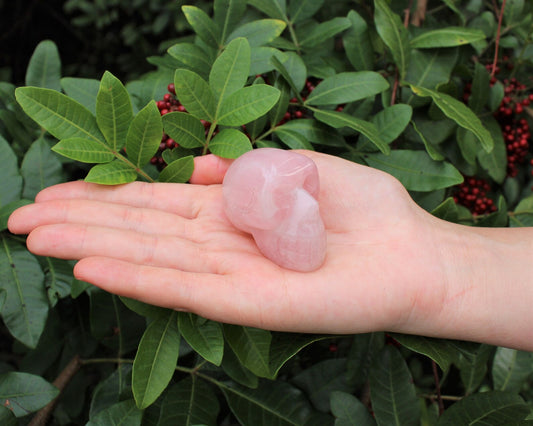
pixel 322 378
pixel 7 418
pixel 347 87
pixel 348 410
pixel 391 30
pixel 84 150
pixel 473 368
pixel 252 347
pixel 178 171
pixel 44 68
pixel 392 121
pixel 230 71
pixel 183 127
pixel 480 89
pixel 83 90
pixel 259 32
pixel 25 393
pixel 202 25
pixel 429 68
pixel 10 179
pixel 191 56
pixel 236 371
pixel 323 31
pixel 110 390
pixel 446 37
pixel 339 119
pixel 416 170
pixel 392 391
pixel 227 14
pixel 486 408
pixel 57 279
pixel 60 115
pixel 230 143
pixel 121 413
pixel 315 132
pixel 437 349
pixel 494 162
pixel 449 211
pixel 195 94
pixel 261 59
pixel 272 403
pixel 7 209
pixel 433 153
pixel 276 9
pixel 247 104
pixel 357 43
pixel 204 336
pixel 510 369
pixel 460 113
pixel 114 173
pixel 292 139
pixel 113 111
pixel 284 346
pixel 144 135
pixel 145 309
pixel 26 307
pixel 40 168
pixel 294 85
pixel 304 9
pixel 156 360
pixel 189 402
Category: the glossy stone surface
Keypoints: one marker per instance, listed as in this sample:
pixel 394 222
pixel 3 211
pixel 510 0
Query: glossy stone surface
pixel 272 194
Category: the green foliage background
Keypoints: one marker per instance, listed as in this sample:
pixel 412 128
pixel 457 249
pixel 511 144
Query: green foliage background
pixel 385 94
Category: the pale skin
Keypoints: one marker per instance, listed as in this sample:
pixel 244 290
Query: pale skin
pixel 390 265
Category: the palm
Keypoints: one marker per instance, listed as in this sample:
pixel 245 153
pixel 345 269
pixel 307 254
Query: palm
pixel 171 245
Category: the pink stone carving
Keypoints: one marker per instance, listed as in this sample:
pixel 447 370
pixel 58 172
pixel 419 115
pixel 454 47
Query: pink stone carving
pixel 273 195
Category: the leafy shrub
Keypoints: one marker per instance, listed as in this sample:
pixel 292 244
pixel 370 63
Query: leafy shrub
pixel 439 97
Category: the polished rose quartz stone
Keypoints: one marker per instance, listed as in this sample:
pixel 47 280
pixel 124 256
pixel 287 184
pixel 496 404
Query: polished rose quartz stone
pixel 272 194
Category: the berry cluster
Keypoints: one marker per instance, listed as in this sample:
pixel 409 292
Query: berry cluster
pixel 472 194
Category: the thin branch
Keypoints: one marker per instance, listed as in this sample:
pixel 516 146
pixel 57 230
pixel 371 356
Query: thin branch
pixel 437 387
pixel 497 41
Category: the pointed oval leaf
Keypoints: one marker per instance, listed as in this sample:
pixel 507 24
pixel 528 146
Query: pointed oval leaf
pixel 227 14
pixel 437 349
pixel 189 402
pixel 83 90
pixel 416 170
pixel 304 9
pixel 292 139
pixel 459 113
pixel 192 56
pixel 391 30
pixel 392 391
pixel 179 171
pixel 84 150
pixel 348 410
pixel 510 369
pixel 10 178
pixel 187 130
pixel 40 168
pixel 339 119
pixel 357 43
pixel 113 111
pixel 276 9
pixel 195 94
pixel 347 87
pixel 447 37
pixel 315 132
pixel 238 372
pixel 25 393
pixel 114 173
pixel 247 104
pixel 144 135
pixel 230 71
pixel 261 59
pixel 155 360
pixel 392 121
pixel 121 413
pixel 252 347
pixel 494 162
pixel 44 68
pixel 272 403
pixel 230 143
pixel 26 307
pixel 204 336
pixel 485 408
pixel 202 25
pixel 260 32
pixel 60 115
pixel 324 31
